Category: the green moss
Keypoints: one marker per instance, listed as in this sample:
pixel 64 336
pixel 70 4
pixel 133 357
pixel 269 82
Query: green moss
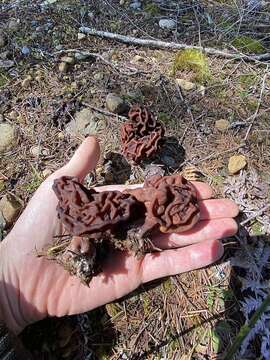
pixel 248 45
pixel 146 303
pixel 256 229
pixel 115 25
pixel 167 286
pixel 247 80
pixel 163 117
pixel 34 183
pixel 152 9
pixel 252 104
pixel 113 309
pixel 3 79
pixel 217 180
pixel 194 60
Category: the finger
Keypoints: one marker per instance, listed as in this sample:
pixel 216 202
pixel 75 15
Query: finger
pixel 204 191
pixel 84 160
pixel 176 261
pixel 202 231
pixel 218 208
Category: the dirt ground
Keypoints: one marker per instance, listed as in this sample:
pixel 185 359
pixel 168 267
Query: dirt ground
pixel 194 315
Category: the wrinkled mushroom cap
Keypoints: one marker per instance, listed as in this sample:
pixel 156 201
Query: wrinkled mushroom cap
pixel 141 135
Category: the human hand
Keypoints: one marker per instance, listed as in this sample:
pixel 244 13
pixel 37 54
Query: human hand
pixel 32 288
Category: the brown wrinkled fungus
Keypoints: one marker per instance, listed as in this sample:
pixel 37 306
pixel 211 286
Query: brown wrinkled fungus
pixel 141 135
pixel 100 221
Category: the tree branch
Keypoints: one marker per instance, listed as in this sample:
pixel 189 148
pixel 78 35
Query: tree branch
pixel 159 44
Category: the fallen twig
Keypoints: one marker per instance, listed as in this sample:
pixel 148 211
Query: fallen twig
pixel 258 105
pixel 257 213
pixel 159 44
pixel 104 112
pixel 188 109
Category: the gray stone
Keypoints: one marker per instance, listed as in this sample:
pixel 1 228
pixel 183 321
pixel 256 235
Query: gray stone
pixel 10 207
pixel 59 47
pixel 7 136
pixel 80 56
pixel 25 50
pixel 136 5
pixel 135 95
pixel 168 24
pixel 6 64
pixel 116 104
pixel 2 39
pixel 37 151
pixel 14 25
pixel 86 122
pixel 5 55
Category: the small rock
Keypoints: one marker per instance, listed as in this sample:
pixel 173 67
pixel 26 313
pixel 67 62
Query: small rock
pixel 98 76
pixel 2 39
pixel 168 24
pixel 68 60
pixel 6 64
pixel 13 115
pixel 25 50
pixel 63 67
pixel 27 81
pixel 91 15
pixel 14 25
pixel 37 151
pixel 122 2
pixel 59 47
pixel 81 36
pixel 222 125
pixel 10 207
pixel 201 90
pixel 61 135
pixel 86 122
pixel 80 56
pixel 5 55
pixel 185 84
pixel 136 5
pixel 236 163
pixel 138 59
pixel 2 185
pixel 135 95
pixel 46 173
pixel 116 104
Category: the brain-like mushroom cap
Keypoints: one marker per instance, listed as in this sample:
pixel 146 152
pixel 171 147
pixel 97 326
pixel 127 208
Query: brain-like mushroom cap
pixel 85 211
pixel 140 137
pixel 171 203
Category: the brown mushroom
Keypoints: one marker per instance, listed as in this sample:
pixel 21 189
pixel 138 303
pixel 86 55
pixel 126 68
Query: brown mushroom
pixel 171 204
pixel 85 211
pixel 141 136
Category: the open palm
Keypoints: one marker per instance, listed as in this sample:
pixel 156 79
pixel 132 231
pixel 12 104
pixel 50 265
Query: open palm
pixel 32 288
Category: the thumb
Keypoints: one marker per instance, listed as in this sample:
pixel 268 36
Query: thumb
pixel 84 160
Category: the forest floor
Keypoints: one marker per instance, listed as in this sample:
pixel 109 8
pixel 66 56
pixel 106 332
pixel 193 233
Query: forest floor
pixel 194 315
